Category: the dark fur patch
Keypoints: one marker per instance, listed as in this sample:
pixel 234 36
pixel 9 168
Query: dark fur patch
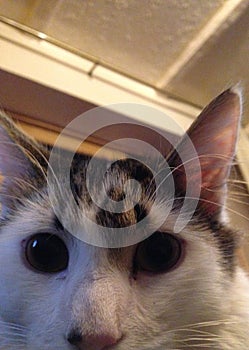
pixel 227 240
pixel 57 224
pixel 117 175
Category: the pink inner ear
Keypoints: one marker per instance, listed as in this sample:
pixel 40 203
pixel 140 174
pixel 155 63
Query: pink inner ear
pixel 214 136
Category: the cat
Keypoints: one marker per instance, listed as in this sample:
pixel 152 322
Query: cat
pixel 171 291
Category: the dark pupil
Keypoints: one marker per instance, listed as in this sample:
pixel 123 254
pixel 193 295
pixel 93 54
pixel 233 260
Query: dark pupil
pixel 47 253
pixel 159 253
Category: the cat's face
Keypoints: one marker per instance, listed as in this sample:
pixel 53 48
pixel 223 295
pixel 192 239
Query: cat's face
pixel 170 291
pixel 127 293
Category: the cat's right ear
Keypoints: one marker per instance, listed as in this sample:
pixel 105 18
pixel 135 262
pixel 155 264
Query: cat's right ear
pixel 17 162
pixel 214 137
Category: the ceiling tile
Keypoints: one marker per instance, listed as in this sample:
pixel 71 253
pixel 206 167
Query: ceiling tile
pixel 223 61
pixel 140 38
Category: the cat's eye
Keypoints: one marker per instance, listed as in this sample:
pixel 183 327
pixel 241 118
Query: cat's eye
pixel 46 253
pixel 159 253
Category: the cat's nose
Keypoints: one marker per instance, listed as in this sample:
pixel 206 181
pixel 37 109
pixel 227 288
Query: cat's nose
pixel 99 341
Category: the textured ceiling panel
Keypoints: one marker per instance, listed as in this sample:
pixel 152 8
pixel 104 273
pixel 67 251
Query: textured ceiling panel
pixel 147 39
pixel 141 38
pixel 220 63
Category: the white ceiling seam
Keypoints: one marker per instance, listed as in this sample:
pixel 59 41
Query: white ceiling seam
pixel 29 61
pixel 35 42
pixel 72 61
pixel 140 41
pixel 137 88
pixel 194 49
pixel 83 62
pixel 229 11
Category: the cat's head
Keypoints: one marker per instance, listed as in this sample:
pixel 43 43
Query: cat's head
pixel 171 291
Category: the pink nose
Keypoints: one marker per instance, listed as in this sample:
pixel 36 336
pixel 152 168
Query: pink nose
pixel 92 342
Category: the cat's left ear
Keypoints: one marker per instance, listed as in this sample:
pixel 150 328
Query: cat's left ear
pixel 14 159
pixel 214 136
pixel 18 162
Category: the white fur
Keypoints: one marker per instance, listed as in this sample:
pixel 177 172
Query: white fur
pixel 195 306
